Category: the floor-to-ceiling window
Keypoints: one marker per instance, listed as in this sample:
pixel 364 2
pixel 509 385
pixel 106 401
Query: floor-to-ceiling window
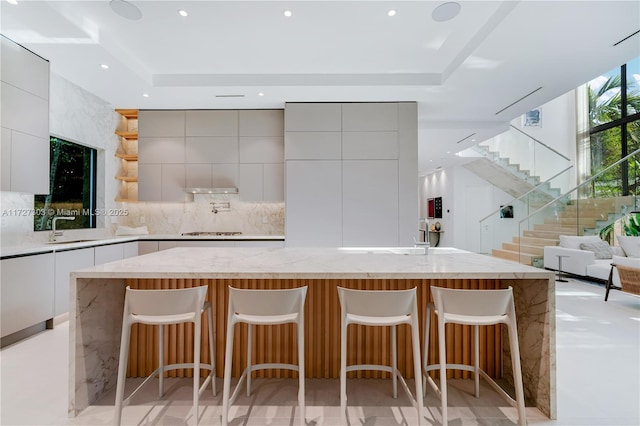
pixel 614 121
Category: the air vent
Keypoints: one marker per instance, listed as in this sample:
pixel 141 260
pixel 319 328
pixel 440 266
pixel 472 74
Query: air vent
pixel 467 137
pixel 626 38
pixel 513 103
pixel 229 96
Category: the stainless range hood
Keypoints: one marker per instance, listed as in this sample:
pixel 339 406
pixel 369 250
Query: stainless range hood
pixel 211 190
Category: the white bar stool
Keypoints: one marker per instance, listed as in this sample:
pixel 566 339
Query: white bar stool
pixel 380 308
pixel 473 307
pixel 164 307
pixel 263 307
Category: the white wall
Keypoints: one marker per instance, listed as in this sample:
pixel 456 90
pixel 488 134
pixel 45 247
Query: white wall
pixel 466 198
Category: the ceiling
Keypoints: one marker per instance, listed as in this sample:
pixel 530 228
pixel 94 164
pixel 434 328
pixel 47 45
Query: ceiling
pixel 470 75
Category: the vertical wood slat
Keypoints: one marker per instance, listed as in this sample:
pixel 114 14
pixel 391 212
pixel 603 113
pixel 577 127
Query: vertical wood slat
pixel 322 331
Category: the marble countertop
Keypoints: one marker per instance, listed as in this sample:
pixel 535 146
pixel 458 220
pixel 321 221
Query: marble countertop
pixel 70 243
pixel 287 263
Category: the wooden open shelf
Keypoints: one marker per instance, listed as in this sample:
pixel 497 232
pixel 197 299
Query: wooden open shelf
pixel 128 157
pixel 128 113
pixel 127 178
pixel 128 132
pixel 127 135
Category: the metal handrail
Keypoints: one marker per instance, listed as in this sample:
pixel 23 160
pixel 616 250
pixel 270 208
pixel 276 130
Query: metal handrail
pixel 540 142
pixel 623 159
pixel 527 193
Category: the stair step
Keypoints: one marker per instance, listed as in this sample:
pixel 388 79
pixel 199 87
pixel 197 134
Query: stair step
pixel 525 259
pixel 534 241
pixel 553 227
pixel 547 234
pixel 523 248
pixel 583 222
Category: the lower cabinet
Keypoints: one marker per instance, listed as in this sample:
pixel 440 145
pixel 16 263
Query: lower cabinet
pixel 66 262
pixel 26 292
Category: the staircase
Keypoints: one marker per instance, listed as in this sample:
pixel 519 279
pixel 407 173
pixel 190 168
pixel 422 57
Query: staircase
pixel 584 217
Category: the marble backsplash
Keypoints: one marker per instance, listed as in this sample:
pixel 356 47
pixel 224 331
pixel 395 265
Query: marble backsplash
pixel 177 218
pixel 160 218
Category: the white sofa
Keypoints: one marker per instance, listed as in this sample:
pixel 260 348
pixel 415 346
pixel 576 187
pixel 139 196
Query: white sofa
pixel 584 262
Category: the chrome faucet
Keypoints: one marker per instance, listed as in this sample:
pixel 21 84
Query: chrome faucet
pixel 54 233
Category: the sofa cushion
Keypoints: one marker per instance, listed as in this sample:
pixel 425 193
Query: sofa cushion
pixel 630 245
pixel 600 248
pixel 574 241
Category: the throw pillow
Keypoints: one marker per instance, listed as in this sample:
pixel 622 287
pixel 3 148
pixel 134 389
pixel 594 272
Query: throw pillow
pixel 601 249
pixel 574 241
pixel 630 245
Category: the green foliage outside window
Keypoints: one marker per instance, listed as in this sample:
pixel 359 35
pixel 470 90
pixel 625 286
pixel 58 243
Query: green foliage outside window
pixel 72 187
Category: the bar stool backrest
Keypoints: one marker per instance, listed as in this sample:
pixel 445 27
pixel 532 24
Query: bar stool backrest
pixel 267 302
pixel 473 302
pixel 377 303
pixel 165 302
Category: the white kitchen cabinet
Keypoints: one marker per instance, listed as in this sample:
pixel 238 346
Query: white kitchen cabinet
pixel 27 292
pixel 24 69
pixel 313 146
pixel 34 151
pixel 108 253
pixel 369 116
pixel 24 112
pixel 5 158
pixel 370 145
pixel 211 149
pixel 161 123
pixel 261 149
pixel 65 263
pixel 145 247
pixel 370 203
pixel 173 182
pixel 314 203
pixel 225 175
pixel 212 123
pixel 161 150
pixel 199 176
pixel 261 122
pixel 149 182
pixel 317 117
pixel 251 182
pixel 129 249
pixel 273 182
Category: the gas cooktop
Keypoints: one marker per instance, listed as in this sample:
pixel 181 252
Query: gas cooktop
pixel 215 234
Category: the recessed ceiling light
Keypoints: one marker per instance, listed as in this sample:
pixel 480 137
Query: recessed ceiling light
pixel 145 95
pixel 288 13
pixel 473 140
pixel 125 9
pixel 260 94
pixel 182 12
pixel 446 11
pixel 104 66
pixel 448 152
pixel 391 12
pixel 13 2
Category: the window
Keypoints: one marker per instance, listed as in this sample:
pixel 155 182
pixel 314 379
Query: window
pixel 614 115
pixel 72 187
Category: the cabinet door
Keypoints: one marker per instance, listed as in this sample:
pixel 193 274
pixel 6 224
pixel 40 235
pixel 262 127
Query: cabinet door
pixel 130 249
pixel 165 150
pixel 66 262
pixel 149 182
pixel 323 117
pixel 313 203
pixel 251 182
pixel 5 157
pixel 26 295
pixel 34 151
pixel 273 182
pixel 174 182
pixel 110 253
pixel 370 203
pixel 145 247
pixel 161 123
pixel 369 117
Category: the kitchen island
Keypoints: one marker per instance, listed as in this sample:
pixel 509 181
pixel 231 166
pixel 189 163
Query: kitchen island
pixel 97 296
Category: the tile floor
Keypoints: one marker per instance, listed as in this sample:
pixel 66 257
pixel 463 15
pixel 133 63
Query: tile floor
pixel 598 359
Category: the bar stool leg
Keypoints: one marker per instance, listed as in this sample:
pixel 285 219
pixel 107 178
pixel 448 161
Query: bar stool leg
pixel 197 327
pixel 343 374
pixel 122 370
pixel 301 372
pixel 443 369
pixel 160 361
pixel 415 337
pixel 425 360
pixel 212 352
pixel 249 352
pixel 517 372
pixel 226 387
pixel 476 358
pixel 394 360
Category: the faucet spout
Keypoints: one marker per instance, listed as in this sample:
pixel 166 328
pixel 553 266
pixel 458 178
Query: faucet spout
pixel 54 233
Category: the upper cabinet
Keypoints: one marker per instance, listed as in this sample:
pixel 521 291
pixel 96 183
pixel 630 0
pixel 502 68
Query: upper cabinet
pixel 127 152
pixel 24 118
pixel 211 148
